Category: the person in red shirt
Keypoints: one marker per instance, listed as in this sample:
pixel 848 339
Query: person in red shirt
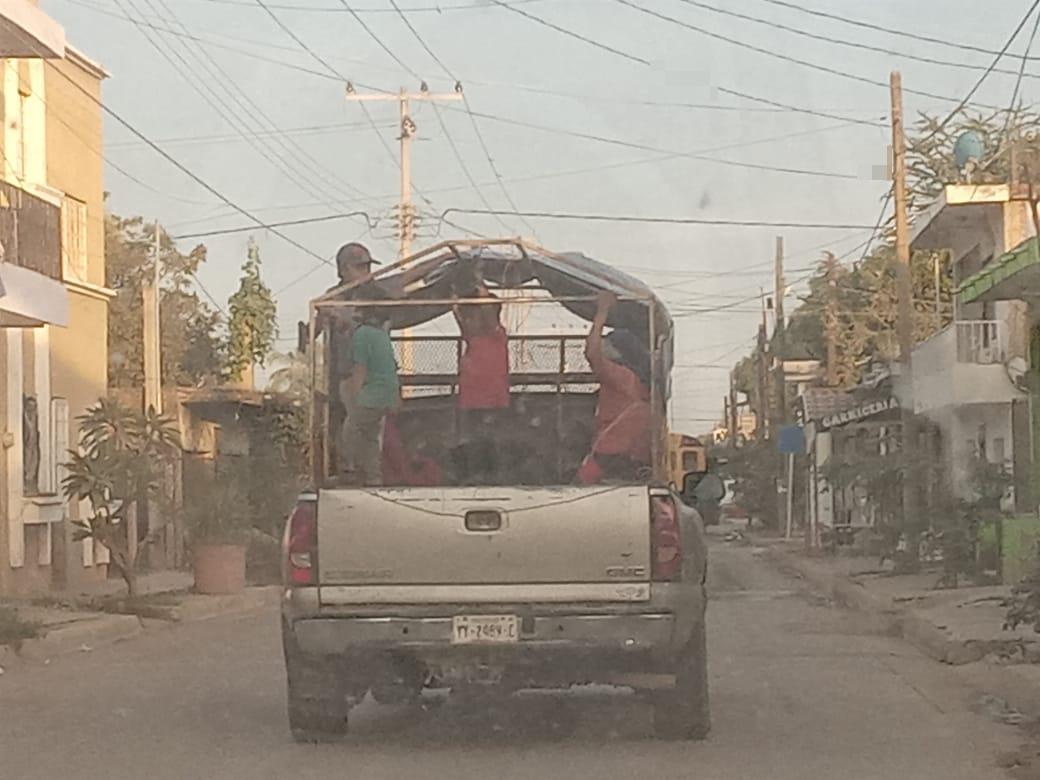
pixel 483 383
pixel 402 467
pixel 621 444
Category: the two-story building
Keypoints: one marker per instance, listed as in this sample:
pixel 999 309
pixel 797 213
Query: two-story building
pixel 53 299
pixel 967 377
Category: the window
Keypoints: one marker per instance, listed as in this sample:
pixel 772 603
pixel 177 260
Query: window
pixel 997 454
pixel 74 239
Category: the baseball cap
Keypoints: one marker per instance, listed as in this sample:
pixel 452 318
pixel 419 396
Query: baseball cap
pixel 354 254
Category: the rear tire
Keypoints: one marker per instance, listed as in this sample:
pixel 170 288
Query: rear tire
pixel 317 705
pixel 683 712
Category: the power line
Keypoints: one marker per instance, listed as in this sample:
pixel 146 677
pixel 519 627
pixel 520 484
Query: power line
pixel 839 41
pixel 1021 72
pixel 287 223
pixel 181 167
pixel 298 155
pixel 982 78
pixel 379 41
pixel 475 6
pixel 701 155
pixel 570 33
pixel 809 111
pixel 882 28
pixel 560 215
pixel 780 56
pixel 203 87
pixel 214 138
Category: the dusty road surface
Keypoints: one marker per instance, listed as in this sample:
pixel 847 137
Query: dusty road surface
pixel 801 689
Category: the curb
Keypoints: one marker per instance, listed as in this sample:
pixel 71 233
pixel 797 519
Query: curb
pixel 934 641
pixel 198 607
pixel 81 636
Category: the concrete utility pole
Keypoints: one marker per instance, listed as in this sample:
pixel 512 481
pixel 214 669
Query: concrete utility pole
pixel 405 211
pixel 150 335
pixel 904 323
pixel 779 335
pixel 407 131
pixel 764 410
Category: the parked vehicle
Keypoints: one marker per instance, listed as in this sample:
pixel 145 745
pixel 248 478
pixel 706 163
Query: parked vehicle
pixel 533 582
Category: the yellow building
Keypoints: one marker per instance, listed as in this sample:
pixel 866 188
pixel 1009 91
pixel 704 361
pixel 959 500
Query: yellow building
pixel 53 301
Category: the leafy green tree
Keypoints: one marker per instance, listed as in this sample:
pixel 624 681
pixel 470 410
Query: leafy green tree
pixel 253 325
pixel 191 345
pixel 123 453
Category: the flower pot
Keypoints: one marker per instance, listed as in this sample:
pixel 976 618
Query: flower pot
pixel 220 568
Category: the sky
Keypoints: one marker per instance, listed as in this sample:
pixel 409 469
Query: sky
pixel 572 107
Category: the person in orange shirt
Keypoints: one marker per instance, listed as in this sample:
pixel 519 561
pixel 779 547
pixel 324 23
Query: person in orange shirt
pixel 621 445
pixel 484 398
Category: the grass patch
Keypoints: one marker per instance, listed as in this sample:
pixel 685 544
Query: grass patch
pixel 14 629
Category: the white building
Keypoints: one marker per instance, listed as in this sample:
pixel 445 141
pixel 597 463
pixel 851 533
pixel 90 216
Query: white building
pixel 967 377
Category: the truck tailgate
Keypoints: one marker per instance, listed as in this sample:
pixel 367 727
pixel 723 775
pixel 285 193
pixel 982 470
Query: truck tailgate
pixel 409 545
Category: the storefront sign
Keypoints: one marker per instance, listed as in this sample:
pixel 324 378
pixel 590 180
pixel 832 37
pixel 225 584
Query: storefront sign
pixel 857 413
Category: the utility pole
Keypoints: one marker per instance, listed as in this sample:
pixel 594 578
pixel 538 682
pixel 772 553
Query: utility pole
pixel 830 324
pixel 784 508
pixel 904 324
pixel 407 130
pixel 733 418
pixel 764 407
pixel 150 335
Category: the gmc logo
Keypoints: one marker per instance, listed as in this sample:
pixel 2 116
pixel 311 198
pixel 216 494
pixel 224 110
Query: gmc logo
pixel 625 572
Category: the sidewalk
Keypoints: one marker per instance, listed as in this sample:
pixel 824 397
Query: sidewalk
pixel 80 621
pixel 954 626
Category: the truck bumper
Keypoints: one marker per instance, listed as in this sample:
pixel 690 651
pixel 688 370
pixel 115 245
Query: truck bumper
pixel 626 633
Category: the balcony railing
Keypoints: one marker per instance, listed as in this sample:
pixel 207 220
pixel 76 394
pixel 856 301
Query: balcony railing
pixel 30 231
pixel 983 342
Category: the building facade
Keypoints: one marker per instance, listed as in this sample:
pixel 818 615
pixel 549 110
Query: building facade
pixel 54 304
pixel 966 377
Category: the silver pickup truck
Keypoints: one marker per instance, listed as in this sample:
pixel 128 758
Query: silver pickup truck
pixel 499 587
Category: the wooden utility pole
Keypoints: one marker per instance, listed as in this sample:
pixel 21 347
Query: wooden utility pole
pixel 764 410
pixel 830 323
pixel 904 322
pixel 779 336
pixel 733 413
pixel 150 335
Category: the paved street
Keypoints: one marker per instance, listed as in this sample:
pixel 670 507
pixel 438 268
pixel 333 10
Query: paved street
pixel 801 689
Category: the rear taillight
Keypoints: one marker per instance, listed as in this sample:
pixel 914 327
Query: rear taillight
pixel 666 542
pixel 301 544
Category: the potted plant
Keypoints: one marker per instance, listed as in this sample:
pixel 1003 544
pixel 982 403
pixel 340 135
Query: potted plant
pixel 219 522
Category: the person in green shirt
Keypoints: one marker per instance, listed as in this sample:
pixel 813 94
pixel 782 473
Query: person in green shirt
pixel 373 390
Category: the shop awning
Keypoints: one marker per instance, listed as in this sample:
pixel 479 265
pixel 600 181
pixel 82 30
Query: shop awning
pixel 1015 275
pixel 29 299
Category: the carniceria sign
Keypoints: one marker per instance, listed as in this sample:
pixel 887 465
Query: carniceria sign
pixel 861 412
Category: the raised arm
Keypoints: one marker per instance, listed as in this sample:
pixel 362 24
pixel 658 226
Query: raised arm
pixel 594 343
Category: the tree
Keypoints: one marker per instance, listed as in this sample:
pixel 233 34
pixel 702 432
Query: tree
pixel 191 346
pixel 253 325
pixel 123 453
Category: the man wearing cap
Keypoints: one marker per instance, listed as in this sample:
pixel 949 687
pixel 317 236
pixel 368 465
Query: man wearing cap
pixel 353 264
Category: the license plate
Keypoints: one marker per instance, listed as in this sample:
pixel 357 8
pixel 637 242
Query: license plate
pixel 485 629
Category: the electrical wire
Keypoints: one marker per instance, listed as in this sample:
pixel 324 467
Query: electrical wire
pixel 287 223
pixel 841 42
pixel 1021 73
pixel 784 57
pixel 125 123
pixel 978 84
pixel 558 215
pixel 809 111
pixel 570 33
pixel 880 28
pixel 379 41
pixel 702 156
pixel 205 88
